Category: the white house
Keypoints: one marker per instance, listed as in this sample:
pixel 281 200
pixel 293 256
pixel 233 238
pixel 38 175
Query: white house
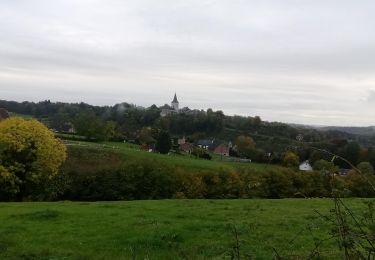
pixel 305 166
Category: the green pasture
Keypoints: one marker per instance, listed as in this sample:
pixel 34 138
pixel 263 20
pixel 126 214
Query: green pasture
pixel 167 229
pixel 133 152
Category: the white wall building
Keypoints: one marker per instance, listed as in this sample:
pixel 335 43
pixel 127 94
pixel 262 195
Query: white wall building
pixel 305 166
pixel 175 108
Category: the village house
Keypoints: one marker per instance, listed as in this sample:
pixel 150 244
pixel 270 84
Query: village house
pixel 222 150
pixel 205 143
pixel 305 166
pixel 214 146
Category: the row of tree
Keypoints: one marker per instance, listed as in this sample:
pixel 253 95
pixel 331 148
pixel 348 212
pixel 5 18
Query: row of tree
pixel 142 125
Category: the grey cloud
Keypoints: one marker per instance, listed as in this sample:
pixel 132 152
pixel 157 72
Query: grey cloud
pixel 371 96
pixel 297 61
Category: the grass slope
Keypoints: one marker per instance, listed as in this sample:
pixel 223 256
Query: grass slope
pixel 169 229
pixel 133 152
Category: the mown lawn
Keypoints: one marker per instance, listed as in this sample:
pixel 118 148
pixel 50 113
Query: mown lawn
pixel 167 229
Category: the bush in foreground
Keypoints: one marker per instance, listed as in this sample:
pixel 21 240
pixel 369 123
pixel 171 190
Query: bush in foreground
pixel 30 156
pixel 106 175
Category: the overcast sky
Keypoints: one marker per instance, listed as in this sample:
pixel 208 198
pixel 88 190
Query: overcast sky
pixel 301 61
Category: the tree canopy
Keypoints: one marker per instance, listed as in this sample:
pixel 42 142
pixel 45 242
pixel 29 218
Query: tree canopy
pixel 93 128
pixel 126 121
pixel 163 142
pixel 290 159
pixel 245 145
pixel 29 156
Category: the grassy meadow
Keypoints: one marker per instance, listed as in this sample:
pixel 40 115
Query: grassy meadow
pixel 133 152
pixel 165 229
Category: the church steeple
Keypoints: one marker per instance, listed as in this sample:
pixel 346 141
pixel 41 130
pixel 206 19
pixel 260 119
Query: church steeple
pixel 175 99
pixel 175 104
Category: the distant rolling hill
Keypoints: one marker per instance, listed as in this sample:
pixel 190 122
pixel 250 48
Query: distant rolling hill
pixel 352 130
pixel 367 131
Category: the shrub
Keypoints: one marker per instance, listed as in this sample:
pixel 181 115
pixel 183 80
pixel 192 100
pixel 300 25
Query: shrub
pixel 277 184
pixel 106 175
pixel 30 155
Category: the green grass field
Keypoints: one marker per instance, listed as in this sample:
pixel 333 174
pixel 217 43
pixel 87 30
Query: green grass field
pixel 132 152
pixel 167 229
pixel 21 115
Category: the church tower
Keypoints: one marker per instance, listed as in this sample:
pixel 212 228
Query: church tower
pixel 175 104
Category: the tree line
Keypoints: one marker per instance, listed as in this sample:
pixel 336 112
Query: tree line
pixel 142 126
pixel 33 167
pixel 92 176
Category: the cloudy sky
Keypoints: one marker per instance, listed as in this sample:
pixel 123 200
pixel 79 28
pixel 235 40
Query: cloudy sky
pixel 301 61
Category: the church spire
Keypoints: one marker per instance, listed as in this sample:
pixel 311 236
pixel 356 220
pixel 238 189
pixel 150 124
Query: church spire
pixel 175 104
pixel 175 99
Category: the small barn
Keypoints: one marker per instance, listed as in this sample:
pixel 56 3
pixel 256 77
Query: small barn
pixel 222 149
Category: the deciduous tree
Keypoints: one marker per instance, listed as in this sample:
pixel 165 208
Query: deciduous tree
pixel 93 127
pixel 290 159
pixel 323 165
pixel 366 168
pixel 29 156
pixel 163 142
pixel 245 145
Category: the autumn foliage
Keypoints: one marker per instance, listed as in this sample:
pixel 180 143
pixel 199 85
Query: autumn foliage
pixel 30 156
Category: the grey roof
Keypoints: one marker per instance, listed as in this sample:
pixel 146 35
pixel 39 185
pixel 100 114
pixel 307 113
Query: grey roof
pixel 175 99
pixel 166 107
pixel 205 142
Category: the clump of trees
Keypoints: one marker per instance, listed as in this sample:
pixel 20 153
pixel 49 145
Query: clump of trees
pixel 30 156
pixel 94 128
pixel 245 145
pixel 290 159
pixel 163 142
pixel 323 165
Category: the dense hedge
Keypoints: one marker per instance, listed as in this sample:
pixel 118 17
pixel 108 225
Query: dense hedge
pixel 89 175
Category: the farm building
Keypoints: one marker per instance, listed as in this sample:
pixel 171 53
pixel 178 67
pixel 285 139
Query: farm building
pixel 222 149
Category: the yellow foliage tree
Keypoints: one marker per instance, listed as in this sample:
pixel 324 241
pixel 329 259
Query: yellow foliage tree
pixel 29 156
pixel 245 146
pixel 290 159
